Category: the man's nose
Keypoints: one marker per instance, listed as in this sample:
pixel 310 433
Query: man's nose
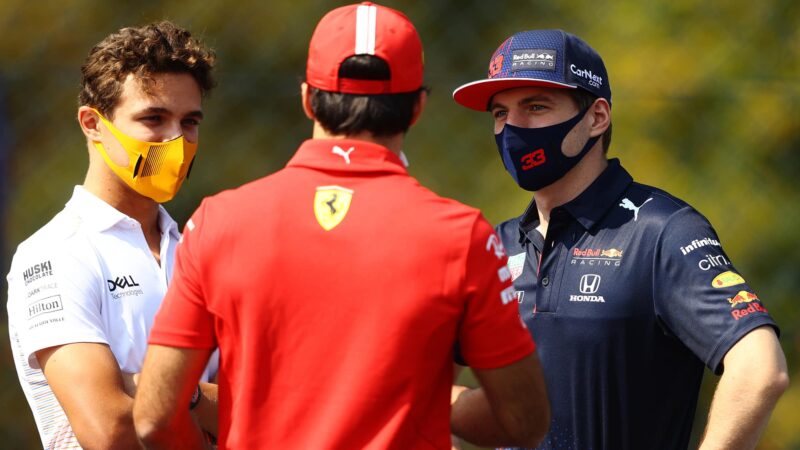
pixel 174 131
pixel 516 118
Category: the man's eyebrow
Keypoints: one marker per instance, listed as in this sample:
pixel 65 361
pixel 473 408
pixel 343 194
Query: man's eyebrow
pixel 525 101
pixel 535 98
pixel 161 110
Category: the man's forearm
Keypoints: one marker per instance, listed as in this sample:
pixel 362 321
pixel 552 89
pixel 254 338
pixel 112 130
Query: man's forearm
pixel 180 434
pixel 739 413
pixel 755 377
pixel 472 419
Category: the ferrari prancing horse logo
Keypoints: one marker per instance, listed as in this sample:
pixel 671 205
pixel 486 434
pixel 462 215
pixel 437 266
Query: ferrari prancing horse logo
pixel 331 204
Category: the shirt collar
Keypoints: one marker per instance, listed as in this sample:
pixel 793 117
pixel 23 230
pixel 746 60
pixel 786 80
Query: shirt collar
pixel 346 155
pixel 101 216
pixel 590 205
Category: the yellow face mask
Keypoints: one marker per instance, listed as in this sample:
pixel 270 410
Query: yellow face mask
pixel 155 169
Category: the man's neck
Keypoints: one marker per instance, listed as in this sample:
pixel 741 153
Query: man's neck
pixel 393 143
pixel 569 186
pixel 106 186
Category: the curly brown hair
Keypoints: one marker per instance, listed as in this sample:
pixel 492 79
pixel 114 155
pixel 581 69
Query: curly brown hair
pixel 160 47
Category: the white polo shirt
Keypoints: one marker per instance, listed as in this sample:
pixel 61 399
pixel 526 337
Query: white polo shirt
pixel 86 276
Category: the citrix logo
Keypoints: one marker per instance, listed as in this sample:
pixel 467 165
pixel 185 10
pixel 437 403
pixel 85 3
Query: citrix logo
pixel 712 261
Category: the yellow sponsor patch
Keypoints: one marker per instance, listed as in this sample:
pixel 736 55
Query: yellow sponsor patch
pixel 727 279
pixel 331 204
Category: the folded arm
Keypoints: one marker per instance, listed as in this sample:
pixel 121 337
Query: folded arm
pixel 509 409
pixel 87 382
pixel 161 414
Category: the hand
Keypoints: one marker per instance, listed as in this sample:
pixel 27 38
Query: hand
pixel 455 443
pixel 456 391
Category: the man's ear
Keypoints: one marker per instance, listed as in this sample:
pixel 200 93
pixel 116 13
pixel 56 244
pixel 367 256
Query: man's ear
pixel 601 113
pixel 90 123
pixel 304 94
pixel 419 105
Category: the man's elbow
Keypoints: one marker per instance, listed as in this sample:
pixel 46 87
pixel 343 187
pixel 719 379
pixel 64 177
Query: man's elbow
pixel 538 426
pixel 111 435
pixel 778 383
pixel 151 430
pixel 529 429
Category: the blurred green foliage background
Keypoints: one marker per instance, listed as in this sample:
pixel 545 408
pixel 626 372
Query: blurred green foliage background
pixel 706 106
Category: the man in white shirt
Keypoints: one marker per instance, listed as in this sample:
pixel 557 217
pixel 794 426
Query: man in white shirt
pixel 83 290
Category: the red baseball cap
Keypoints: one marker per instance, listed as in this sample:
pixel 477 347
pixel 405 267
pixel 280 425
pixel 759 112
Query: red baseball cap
pixel 365 29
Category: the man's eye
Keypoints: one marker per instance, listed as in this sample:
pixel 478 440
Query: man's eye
pixel 499 114
pixel 190 122
pixel 151 119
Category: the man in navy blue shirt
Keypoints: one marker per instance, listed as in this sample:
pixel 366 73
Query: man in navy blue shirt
pixel 626 289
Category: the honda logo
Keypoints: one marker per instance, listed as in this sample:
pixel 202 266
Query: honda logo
pixel 590 283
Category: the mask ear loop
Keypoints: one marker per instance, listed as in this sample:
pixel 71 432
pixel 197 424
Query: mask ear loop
pixel 136 168
pixel 189 170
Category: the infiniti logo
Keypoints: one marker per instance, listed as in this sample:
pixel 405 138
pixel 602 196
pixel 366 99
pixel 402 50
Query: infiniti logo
pixel 590 283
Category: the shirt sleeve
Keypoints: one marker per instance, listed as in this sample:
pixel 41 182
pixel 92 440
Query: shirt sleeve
pixel 699 296
pixel 55 297
pixel 491 333
pixel 184 319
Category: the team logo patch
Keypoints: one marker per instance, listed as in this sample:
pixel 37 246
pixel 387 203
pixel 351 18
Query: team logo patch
pixel 596 256
pixel 331 204
pixel 516 264
pixel 727 279
pixel 533 59
pixel 611 253
pixel 742 297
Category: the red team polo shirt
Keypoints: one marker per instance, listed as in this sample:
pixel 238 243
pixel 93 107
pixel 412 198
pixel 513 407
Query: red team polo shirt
pixel 336 289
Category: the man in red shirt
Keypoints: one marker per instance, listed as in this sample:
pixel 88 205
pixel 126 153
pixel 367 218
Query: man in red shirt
pixel 337 288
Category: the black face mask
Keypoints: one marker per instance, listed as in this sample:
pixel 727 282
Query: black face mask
pixel 533 156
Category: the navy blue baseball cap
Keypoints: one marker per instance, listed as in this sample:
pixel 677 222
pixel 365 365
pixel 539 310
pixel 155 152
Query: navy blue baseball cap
pixel 547 58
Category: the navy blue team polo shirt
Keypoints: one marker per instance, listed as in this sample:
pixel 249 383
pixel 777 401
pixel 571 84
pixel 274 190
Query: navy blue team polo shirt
pixel 627 298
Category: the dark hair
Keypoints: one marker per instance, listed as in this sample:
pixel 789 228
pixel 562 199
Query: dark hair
pixel 584 99
pixel 161 47
pixel 349 114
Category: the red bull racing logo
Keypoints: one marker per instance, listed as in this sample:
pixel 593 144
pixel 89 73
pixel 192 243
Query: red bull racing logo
pixel 596 256
pixel 742 297
pixel 611 253
pixel 753 304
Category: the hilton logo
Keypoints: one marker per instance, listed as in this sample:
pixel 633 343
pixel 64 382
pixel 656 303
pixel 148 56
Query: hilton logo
pixel 44 306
